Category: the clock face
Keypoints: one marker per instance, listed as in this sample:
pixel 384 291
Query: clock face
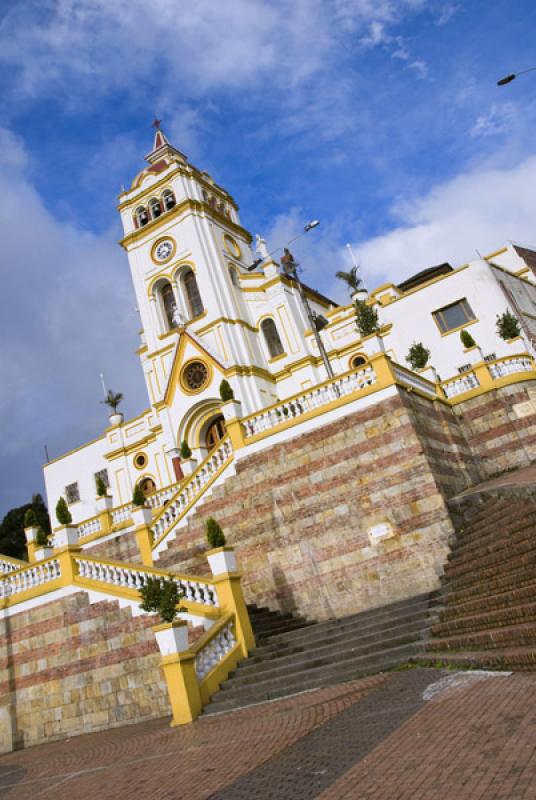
pixel 164 250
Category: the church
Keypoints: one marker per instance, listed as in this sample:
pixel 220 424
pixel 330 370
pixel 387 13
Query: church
pixel 330 451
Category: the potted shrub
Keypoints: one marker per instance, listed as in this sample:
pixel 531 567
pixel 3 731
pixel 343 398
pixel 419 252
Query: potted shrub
pixel 30 526
pixel 354 284
pixel 161 596
pixel 112 401
pixel 467 340
pixel 68 534
pixel 220 558
pixel 508 326
pixel 418 356
pixel 42 548
pixel 104 502
pixel 368 325
pixel 231 408
pixel 188 464
pixel 471 347
pixel 141 513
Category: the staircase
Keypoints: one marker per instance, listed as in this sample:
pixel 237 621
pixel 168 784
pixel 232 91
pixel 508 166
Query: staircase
pixel 294 655
pixel 488 617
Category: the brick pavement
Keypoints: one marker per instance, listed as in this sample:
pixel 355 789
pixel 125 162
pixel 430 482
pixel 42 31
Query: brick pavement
pixel 416 734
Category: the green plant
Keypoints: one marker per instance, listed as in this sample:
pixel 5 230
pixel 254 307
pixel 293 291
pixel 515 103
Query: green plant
pixel 29 518
pixel 63 515
pixel 418 355
pixel 467 339
pixel 185 450
pixel 101 487
pixel 508 326
pixel 112 400
pixel 41 538
pixel 138 498
pixel 161 595
pixel 226 391
pixel 351 279
pixel 215 535
pixel 366 317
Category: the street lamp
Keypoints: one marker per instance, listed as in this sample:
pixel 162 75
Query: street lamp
pixel 513 76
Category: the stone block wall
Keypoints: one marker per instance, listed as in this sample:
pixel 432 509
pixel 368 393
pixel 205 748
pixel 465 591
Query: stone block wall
pixel 299 513
pixel 118 548
pixel 68 667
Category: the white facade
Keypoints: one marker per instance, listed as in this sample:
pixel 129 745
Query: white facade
pixel 206 318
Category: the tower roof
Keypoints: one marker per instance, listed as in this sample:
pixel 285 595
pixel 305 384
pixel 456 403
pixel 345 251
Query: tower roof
pixel 161 147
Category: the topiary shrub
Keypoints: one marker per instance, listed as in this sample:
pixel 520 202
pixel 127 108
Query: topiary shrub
pixel 30 520
pixel 161 595
pixel 63 515
pixel 418 355
pixel 215 535
pixel 185 450
pixel 138 498
pixel 366 318
pixel 41 538
pixel 508 326
pixel 467 339
pixel 102 491
pixel 226 391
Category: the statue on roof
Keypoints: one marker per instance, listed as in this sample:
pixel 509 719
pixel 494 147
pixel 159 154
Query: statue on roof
pixel 260 246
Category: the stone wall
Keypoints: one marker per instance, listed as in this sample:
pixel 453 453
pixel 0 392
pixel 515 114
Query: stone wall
pixel 68 667
pixel 118 548
pixel 299 513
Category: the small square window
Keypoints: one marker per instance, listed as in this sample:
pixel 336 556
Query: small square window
pixel 72 493
pixel 103 475
pixel 453 316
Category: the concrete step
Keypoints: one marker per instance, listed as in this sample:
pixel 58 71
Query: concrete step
pixel 496 618
pixel 521 635
pixel 506 599
pixel 518 545
pixel 507 520
pixel 467 558
pixel 510 568
pixel 515 658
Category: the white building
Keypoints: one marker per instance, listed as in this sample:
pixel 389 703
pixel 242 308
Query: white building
pixel 207 318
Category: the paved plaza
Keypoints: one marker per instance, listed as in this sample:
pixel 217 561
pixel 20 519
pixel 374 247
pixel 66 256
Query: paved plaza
pixel 416 734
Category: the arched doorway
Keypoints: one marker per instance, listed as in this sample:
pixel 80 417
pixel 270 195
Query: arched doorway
pixel 216 431
pixel 147 485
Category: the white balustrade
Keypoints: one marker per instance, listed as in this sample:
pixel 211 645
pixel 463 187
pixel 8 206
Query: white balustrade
pixel 463 383
pixel 89 527
pixel 509 366
pixel 128 577
pixel 192 490
pixel 215 650
pixel 121 514
pixel 161 497
pixel 414 381
pixel 8 566
pixel 309 400
pixel 29 577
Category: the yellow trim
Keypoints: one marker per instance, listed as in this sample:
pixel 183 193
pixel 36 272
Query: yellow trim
pixel 75 450
pixel 232 246
pixel 128 449
pixel 430 282
pixel 277 358
pixel 511 274
pixel 229 321
pixel 139 198
pixel 496 253
pixel 146 460
pixel 456 330
pixel 157 243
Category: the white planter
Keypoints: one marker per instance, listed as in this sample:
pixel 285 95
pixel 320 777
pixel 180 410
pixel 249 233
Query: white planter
pixel 104 503
pixel 516 345
pixel 171 637
pixel 188 465
pixel 141 515
pixel 372 345
pixel 221 559
pixel 232 409
pixel 43 552
pixel 31 533
pixel 115 419
pixel 361 294
pixel 429 373
pixel 66 537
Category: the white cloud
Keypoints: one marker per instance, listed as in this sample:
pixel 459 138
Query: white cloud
pixel 497 120
pixel 480 210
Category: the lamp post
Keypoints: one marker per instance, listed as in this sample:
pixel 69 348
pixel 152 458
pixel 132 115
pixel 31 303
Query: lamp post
pixel 513 76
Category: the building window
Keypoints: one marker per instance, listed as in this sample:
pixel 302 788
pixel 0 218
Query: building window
pixel 168 199
pixel 142 217
pixel 103 475
pixel 147 486
pixel 195 376
pixel 453 316
pixel 271 337
pixel 72 493
pixel 155 207
pixel 140 460
pixel 169 304
pixel 195 304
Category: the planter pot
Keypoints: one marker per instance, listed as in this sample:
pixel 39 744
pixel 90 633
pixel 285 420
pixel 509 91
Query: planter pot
pixel 429 373
pixel 104 503
pixel 66 537
pixel 516 345
pixel 115 419
pixel 141 515
pixel 221 559
pixel 361 294
pixel 31 533
pixel 171 637
pixel 188 466
pixel 43 552
pixel 232 409
pixel 373 344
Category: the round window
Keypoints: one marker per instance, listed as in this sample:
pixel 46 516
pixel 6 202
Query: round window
pixel 195 376
pixel 358 361
pixel 140 460
pixel 232 246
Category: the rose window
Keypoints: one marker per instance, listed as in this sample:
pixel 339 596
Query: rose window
pixel 195 375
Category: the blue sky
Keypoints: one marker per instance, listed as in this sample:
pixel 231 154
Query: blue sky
pixel 381 118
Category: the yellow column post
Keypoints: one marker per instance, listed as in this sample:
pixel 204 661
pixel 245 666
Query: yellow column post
pixel 230 596
pixel 144 540
pixel 105 518
pixel 236 433
pixel 31 534
pixel 484 376
pixel 383 369
pixel 30 547
pixel 68 566
pixel 183 687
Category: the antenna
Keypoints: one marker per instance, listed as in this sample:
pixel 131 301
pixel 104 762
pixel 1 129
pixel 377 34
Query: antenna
pixel 47 457
pixel 105 393
pixel 352 256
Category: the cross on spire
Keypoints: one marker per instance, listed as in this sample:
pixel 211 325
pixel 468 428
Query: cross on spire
pixel 157 123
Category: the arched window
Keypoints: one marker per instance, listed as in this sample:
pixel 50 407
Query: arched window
pixel 147 486
pixel 216 432
pixel 142 216
pixel 168 199
pixel 358 361
pixel 271 337
pixel 169 305
pixel 195 304
pixel 155 207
